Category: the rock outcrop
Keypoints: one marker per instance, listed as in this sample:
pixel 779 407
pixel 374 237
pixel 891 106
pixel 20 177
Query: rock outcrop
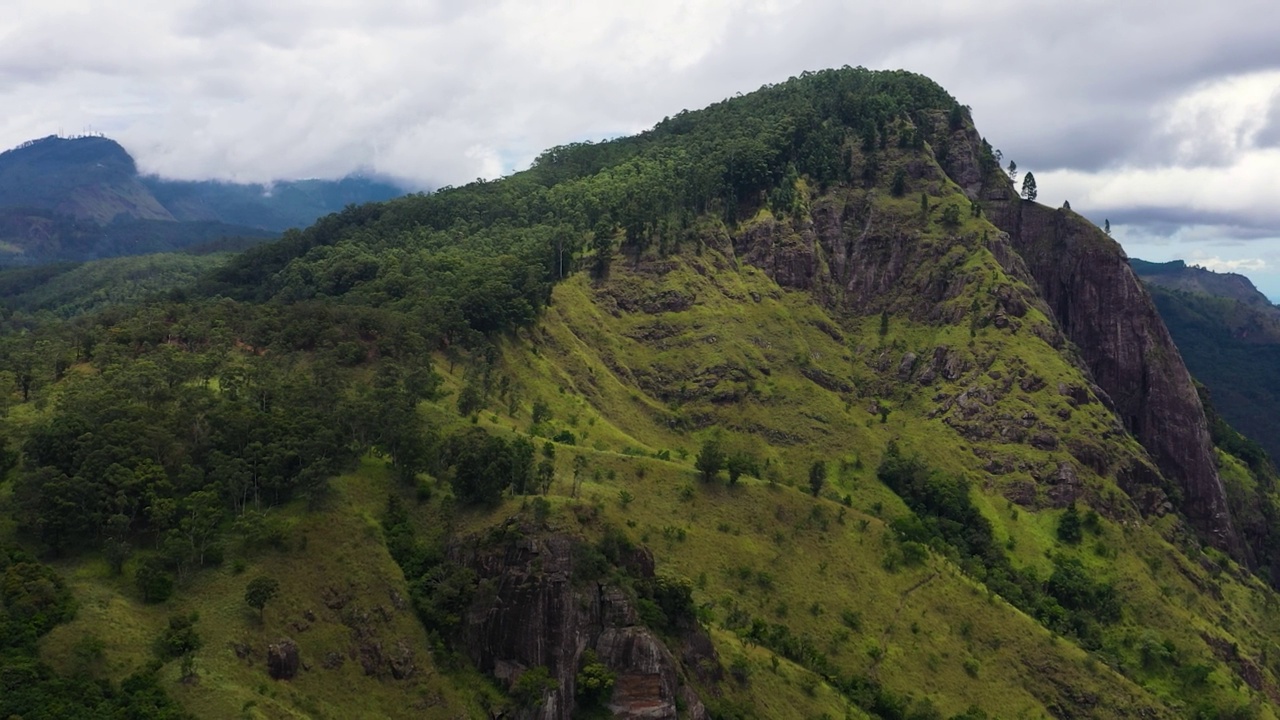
pixel 531 612
pixel 854 262
pixel 282 659
pixel 1100 305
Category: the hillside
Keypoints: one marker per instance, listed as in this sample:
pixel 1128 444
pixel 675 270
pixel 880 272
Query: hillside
pixel 1229 335
pixel 788 407
pixel 1176 275
pixel 75 199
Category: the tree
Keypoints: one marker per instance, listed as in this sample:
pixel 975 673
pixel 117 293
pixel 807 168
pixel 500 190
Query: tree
pixel 1106 227
pixel 899 186
pixel 1013 171
pixel 1069 526
pixel 531 688
pixel 180 638
pixel 579 467
pixel 1029 186
pixel 737 464
pixel 260 591
pixel 156 584
pixel 1066 204
pixel 951 216
pixel 602 243
pixel 594 681
pixel 545 475
pixel 817 476
pixel 710 460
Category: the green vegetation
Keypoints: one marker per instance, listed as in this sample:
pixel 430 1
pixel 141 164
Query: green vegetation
pixel 260 591
pixel 33 600
pixel 70 289
pixel 325 424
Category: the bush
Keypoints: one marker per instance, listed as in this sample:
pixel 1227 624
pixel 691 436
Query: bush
pixel 711 460
pixel 1070 528
pixel 530 689
pixel 180 638
pixel 153 581
pixel 595 680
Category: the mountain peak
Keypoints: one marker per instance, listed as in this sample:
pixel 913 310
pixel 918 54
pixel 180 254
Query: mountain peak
pixel 77 183
pixel 85 152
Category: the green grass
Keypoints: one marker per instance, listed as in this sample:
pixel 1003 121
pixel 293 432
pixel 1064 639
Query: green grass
pixel 339 549
pixel 771 372
pixel 601 369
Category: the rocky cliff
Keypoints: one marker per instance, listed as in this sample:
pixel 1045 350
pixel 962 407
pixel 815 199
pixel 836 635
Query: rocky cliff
pixel 856 261
pixel 534 610
pixel 1101 306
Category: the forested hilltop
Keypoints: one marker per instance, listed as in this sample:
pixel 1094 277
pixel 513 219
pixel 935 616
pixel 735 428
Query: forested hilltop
pixel 788 407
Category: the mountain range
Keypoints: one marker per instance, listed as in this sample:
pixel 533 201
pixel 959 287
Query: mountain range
pixel 81 198
pixel 788 407
pixel 1229 335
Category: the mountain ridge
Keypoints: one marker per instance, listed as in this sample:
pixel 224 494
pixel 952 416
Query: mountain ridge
pixel 1229 334
pixel 59 195
pixel 787 407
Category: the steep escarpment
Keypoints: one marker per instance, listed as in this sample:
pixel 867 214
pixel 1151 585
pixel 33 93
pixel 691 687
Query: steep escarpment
pixel 1103 308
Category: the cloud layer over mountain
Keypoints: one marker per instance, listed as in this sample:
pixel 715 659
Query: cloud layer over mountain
pixel 1162 116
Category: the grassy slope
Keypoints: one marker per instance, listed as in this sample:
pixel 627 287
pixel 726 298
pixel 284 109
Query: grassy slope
pixel 929 621
pixel 339 548
pixel 738 360
pixel 765 547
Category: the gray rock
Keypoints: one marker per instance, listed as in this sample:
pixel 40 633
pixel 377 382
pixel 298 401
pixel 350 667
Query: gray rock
pixel 282 659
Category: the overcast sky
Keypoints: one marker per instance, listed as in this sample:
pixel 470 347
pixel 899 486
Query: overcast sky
pixel 1163 117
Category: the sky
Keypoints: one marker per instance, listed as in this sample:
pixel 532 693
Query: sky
pixel 1161 117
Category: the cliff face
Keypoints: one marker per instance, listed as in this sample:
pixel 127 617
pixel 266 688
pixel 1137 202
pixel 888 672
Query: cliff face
pixel 530 612
pixel 857 262
pixel 1085 279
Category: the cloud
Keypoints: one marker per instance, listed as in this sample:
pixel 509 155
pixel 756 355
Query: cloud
pixel 1158 115
pixel 1241 265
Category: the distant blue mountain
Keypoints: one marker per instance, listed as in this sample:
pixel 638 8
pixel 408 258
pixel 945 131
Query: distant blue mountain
pixel 82 198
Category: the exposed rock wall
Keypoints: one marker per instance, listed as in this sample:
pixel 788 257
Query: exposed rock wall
pixel 853 261
pixel 529 612
pixel 1104 310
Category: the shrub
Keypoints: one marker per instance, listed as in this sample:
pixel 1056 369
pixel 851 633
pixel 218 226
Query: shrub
pixel 851 619
pixel 529 691
pixel 595 680
pixel 1070 528
pixel 180 638
pixel 153 581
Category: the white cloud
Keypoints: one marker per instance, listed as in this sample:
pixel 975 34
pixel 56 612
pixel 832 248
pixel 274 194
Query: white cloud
pixel 1145 112
pixel 1241 265
pixel 1244 189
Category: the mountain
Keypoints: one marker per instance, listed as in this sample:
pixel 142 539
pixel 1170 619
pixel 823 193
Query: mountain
pixel 82 198
pixel 788 407
pixel 278 206
pixel 1177 275
pixel 1229 335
